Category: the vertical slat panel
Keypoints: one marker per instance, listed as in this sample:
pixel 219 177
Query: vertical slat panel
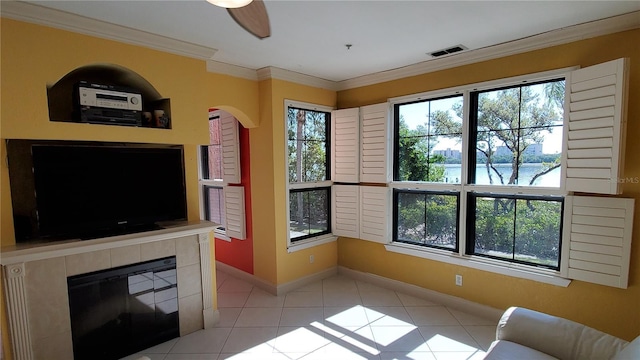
pixel 346 210
pixel 595 122
pixel 375 204
pixel 234 210
pixel 345 152
pixel 230 148
pixel 600 251
pixel 375 143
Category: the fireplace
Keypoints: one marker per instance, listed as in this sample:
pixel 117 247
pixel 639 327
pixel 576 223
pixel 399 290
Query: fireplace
pixel 36 282
pixel 120 311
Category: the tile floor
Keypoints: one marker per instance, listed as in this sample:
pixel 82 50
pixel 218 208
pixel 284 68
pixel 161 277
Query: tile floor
pixel 336 318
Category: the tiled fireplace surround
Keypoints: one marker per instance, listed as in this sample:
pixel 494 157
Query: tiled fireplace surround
pixel 36 294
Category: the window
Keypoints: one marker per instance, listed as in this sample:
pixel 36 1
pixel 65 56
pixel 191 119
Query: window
pixel 429 140
pixel 219 167
pixel 308 129
pixel 508 172
pixel 521 229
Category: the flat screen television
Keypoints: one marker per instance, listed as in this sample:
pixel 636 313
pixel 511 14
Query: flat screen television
pixel 88 190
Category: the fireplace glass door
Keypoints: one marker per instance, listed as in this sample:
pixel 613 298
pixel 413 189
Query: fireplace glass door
pixel 120 311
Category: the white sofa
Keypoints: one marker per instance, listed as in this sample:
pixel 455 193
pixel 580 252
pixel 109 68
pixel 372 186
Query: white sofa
pixel 532 335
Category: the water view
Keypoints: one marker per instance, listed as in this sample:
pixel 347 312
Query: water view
pixel 526 173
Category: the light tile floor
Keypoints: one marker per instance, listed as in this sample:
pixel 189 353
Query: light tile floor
pixel 336 318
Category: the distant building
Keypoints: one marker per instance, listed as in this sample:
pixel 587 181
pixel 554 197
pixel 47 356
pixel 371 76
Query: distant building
pixel 533 149
pixel 449 154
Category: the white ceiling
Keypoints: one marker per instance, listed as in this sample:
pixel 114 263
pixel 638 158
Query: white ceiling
pixel 309 36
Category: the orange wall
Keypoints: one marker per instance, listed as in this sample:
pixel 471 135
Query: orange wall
pixel 612 310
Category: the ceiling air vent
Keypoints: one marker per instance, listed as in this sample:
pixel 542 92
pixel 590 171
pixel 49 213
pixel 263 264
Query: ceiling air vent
pixel 450 50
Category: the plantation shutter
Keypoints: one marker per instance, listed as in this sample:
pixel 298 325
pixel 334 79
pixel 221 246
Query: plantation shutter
pixel 596 99
pixel 375 144
pixel 234 211
pixel 346 210
pixel 375 205
pixel 345 152
pixel 597 240
pixel 230 148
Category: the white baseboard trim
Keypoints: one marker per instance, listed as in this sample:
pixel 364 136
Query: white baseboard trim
pixel 245 276
pixel 298 283
pixel 272 288
pixel 451 301
pixel 211 318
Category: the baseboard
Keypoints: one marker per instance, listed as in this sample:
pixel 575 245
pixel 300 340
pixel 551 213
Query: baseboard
pixel 245 276
pixel 451 301
pixel 281 289
pixel 298 283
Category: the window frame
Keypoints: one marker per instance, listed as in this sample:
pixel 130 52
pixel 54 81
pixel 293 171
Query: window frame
pixel 460 257
pixel 204 184
pixel 326 236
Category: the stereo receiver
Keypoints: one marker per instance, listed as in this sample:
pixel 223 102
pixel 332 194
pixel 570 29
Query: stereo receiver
pixel 107 104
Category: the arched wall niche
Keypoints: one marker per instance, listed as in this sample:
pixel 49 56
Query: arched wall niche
pixel 62 95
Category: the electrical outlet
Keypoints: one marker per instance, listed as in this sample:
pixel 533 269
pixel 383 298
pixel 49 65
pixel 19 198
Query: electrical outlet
pixel 311 259
pixel 459 280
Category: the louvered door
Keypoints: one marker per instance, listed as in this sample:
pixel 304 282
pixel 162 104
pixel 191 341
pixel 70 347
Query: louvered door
pixel 594 144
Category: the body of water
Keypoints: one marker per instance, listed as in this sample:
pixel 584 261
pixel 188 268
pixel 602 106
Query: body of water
pixel 526 173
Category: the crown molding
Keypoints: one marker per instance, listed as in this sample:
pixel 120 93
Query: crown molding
pixel 28 12
pixel 591 29
pixel 271 72
pixel 231 70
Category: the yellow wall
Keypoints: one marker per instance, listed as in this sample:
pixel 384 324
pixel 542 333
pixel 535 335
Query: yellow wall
pixel 34 56
pixel 272 262
pixel 612 310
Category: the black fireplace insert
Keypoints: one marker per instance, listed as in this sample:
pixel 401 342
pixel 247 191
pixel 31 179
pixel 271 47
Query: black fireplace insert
pixel 120 311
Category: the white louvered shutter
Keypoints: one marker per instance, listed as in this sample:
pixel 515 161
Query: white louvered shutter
pixel 597 239
pixel 230 148
pixel 375 144
pixel 375 206
pixel 345 217
pixel 345 152
pixel 596 97
pixel 234 211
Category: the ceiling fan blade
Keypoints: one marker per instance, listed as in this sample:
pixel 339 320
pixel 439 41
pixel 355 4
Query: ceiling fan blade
pixel 253 18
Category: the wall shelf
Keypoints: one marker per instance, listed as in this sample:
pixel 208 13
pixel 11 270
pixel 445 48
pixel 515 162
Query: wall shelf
pixel 62 95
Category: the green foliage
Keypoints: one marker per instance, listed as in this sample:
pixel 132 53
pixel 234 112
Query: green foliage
pixel 429 219
pixel 518 229
pixel 415 163
pixel 307 145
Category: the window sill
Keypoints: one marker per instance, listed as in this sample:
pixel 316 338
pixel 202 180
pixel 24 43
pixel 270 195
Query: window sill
pixel 221 235
pixel 474 262
pixel 311 242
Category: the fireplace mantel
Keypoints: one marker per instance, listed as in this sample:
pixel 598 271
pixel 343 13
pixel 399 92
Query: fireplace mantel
pixel 36 291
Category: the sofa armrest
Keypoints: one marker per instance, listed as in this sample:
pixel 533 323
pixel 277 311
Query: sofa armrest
pixel 558 337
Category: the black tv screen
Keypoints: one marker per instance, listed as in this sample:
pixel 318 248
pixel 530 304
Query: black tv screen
pixel 95 190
